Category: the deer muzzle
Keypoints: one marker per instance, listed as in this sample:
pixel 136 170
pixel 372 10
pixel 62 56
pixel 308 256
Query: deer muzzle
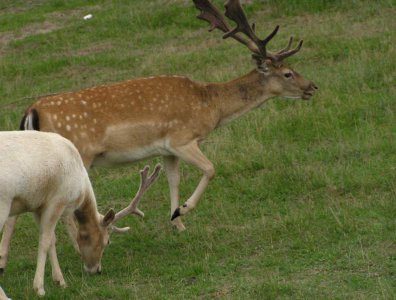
pixel 93 270
pixel 309 91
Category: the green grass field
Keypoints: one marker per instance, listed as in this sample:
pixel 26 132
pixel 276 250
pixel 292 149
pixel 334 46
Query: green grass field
pixel 303 205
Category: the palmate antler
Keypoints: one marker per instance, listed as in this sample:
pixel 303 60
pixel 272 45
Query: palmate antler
pixel 235 13
pixel 145 183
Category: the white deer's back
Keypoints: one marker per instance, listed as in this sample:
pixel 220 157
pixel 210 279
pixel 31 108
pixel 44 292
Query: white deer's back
pixel 36 167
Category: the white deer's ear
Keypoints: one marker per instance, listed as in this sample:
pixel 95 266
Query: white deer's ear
pixel 108 218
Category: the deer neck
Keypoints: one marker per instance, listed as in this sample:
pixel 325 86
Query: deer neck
pixel 237 97
pixel 87 214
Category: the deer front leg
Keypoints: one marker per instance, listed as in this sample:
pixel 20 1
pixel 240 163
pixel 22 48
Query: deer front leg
pixel 3 296
pixel 57 275
pixel 191 153
pixel 171 164
pixel 48 220
pixel 5 241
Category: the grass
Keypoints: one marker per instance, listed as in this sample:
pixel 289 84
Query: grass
pixel 303 203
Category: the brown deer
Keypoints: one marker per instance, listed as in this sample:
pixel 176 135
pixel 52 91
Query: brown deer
pixel 169 115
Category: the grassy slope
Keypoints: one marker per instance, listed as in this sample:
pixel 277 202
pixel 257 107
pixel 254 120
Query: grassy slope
pixel 303 204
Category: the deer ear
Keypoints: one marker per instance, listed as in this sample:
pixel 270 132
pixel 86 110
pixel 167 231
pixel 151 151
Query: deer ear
pixel 108 218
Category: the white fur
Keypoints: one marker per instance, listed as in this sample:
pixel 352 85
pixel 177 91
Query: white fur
pixel 3 296
pixel 44 174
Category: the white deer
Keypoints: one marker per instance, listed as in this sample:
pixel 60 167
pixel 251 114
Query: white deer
pixel 43 173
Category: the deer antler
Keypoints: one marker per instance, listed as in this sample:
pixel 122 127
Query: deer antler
pixel 145 183
pixel 210 14
pixel 235 13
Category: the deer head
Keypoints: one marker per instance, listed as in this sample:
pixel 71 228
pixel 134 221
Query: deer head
pixel 93 237
pixel 280 79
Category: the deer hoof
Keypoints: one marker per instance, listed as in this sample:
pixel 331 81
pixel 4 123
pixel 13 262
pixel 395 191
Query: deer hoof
pixel 61 283
pixel 176 214
pixel 1 271
pixel 40 292
pixel 178 225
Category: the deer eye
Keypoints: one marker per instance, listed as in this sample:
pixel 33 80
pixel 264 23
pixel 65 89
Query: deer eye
pixel 288 75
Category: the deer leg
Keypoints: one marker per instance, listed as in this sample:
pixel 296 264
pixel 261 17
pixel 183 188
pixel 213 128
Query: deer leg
pixel 171 165
pixel 191 153
pixel 5 241
pixel 72 231
pixel 48 220
pixel 3 296
pixel 57 275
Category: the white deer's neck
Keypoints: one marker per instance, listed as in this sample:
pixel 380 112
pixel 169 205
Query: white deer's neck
pixel 237 97
pixel 87 213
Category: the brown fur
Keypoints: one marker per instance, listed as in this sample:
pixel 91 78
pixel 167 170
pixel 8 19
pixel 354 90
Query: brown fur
pixel 165 115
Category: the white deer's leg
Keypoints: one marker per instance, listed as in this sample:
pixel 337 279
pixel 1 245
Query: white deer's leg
pixel 57 275
pixel 193 155
pixel 6 240
pixel 171 165
pixel 3 296
pixel 48 221
pixel 72 231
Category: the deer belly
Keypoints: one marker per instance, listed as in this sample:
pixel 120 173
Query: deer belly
pixel 111 158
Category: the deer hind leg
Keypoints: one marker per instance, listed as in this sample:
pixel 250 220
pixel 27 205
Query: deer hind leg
pixel 47 220
pixel 5 241
pixel 191 153
pixel 171 165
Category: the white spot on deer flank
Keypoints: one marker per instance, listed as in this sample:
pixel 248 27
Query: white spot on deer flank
pixel 59 124
pixel 83 102
pixel 68 127
pixel 67 118
pixel 83 134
